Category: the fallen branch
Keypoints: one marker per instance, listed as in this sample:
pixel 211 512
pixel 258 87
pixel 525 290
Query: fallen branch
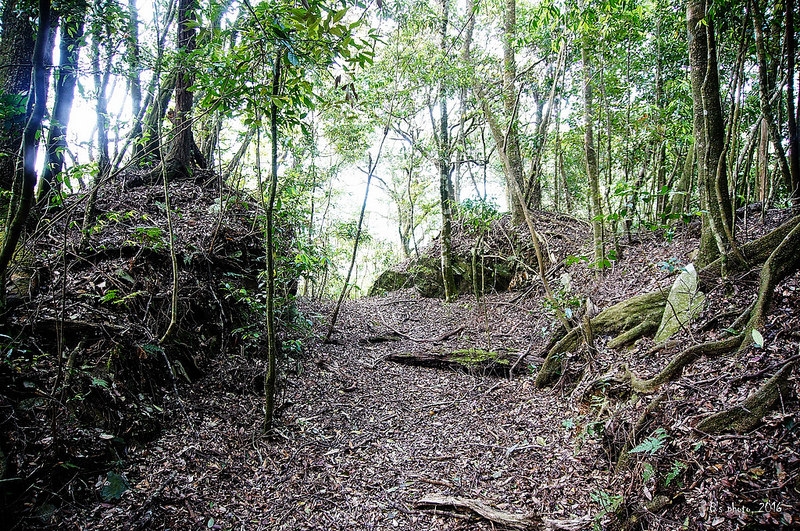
pixel 514 521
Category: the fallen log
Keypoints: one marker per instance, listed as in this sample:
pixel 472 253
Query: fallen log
pixel 473 360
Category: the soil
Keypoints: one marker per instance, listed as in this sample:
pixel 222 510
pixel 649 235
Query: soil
pixel 362 442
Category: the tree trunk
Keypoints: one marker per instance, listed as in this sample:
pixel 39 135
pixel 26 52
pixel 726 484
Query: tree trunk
pixel 69 50
pixel 270 377
pixel 147 143
pixel 709 134
pixel 134 65
pixel 148 147
pixel 592 171
pixel 14 231
pixel 179 161
pixel 445 169
pixel 794 143
pixel 16 49
pixel 766 107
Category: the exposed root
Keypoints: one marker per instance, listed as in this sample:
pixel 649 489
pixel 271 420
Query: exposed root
pixel 628 337
pixel 626 315
pixel 748 414
pixel 783 261
pixel 684 358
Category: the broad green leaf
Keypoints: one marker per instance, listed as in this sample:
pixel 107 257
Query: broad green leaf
pixel 758 339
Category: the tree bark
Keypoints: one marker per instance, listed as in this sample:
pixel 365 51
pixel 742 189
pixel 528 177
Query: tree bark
pixel 709 134
pixel 445 169
pixel 592 171
pixel 14 231
pixel 179 160
pixel 766 106
pixel 270 377
pixel 134 65
pixel 794 143
pixel 16 49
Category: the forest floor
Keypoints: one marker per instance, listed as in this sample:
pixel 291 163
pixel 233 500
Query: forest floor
pixel 360 441
pixel 364 443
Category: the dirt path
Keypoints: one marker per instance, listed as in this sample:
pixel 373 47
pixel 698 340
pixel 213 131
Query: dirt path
pixel 361 439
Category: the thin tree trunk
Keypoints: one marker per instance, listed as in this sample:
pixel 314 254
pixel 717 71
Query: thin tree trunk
pixel 134 60
pixel 766 107
pixel 794 143
pixel 270 377
pixel 147 144
pixel 69 50
pixel 445 185
pixel 592 170
pixel 101 79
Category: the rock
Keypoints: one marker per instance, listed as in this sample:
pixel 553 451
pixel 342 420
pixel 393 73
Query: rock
pixel 684 303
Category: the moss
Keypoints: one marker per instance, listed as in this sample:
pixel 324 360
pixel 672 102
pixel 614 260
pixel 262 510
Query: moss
pixel 476 356
pixel 389 280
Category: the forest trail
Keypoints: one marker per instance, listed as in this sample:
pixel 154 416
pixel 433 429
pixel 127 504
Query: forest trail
pixel 360 440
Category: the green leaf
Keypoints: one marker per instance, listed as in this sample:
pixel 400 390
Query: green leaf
pixel 114 486
pixel 652 444
pixel 758 339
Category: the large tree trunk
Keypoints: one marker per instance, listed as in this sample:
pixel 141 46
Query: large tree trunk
pixel 69 50
pixel 709 134
pixel 14 231
pixel 179 160
pixel 16 49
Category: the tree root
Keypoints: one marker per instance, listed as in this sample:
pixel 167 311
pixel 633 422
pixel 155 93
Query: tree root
pixel 628 337
pixel 675 367
pixel 757 251
pixel 748 414
pixel 783 261
pixel 618 319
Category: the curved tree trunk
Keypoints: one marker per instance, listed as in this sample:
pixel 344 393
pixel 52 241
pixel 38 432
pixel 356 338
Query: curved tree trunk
pixel 14 231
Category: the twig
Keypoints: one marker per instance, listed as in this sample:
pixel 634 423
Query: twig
pixel 442 337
